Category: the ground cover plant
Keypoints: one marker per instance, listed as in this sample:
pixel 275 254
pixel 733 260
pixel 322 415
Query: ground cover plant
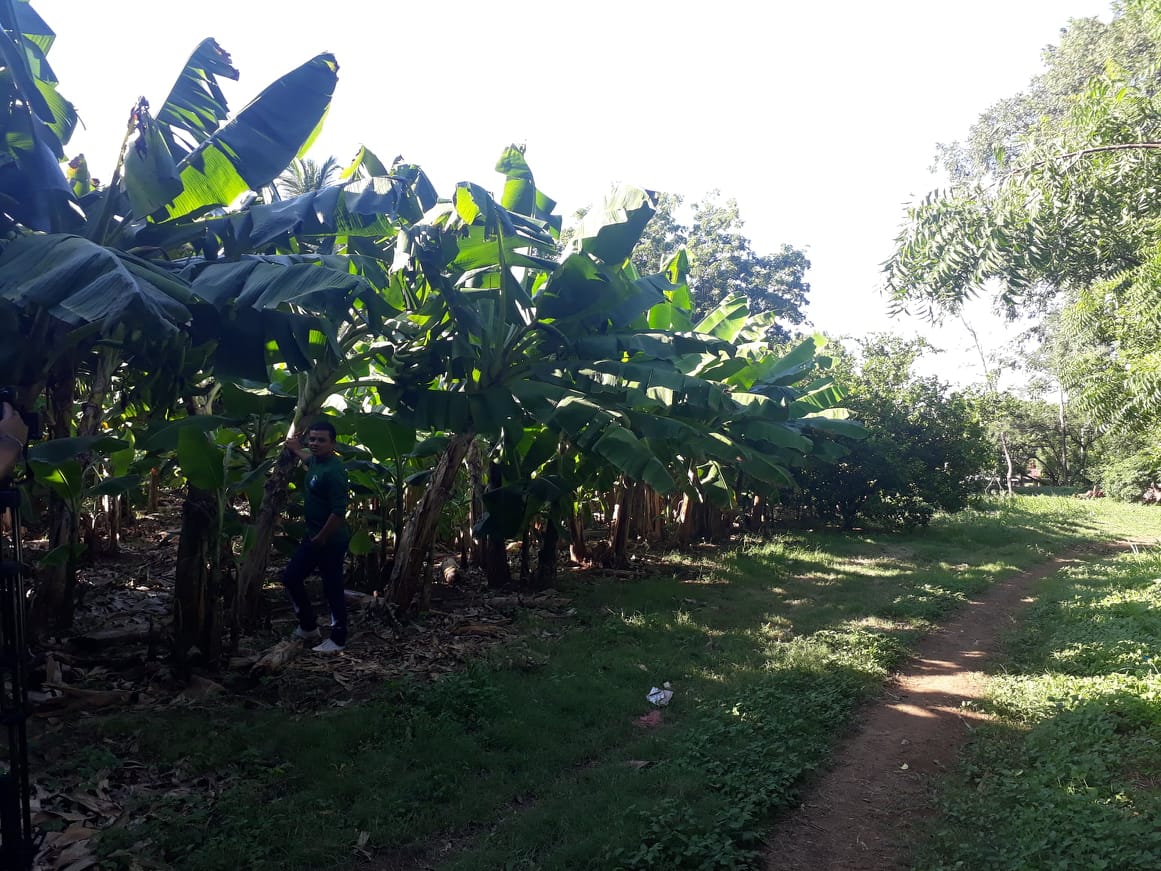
pixel 1069 773
pixel 537 755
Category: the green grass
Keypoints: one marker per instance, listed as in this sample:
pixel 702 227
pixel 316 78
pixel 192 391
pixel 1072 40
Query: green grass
pixel 1069 775
pixel 522 760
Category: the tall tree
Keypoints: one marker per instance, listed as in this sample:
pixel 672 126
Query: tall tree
pixel 722 260
pixel 1087 46
pixel 1071 214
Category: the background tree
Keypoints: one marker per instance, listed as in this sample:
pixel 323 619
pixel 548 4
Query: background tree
pixel 723 262
pixel 305 175
pixel 924 443
pixel 1087 46
pixel 1068 217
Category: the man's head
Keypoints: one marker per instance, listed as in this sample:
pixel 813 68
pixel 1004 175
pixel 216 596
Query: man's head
pixel 320 439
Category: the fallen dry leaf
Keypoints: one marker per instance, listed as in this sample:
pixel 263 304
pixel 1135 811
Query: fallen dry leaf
pixel 74 833
pixel 479 629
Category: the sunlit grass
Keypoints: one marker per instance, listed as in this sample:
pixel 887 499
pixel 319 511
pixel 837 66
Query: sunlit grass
pixel 769 648
pixel 1077 745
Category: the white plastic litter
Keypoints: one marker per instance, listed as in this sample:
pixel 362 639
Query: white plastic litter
pixel 659 696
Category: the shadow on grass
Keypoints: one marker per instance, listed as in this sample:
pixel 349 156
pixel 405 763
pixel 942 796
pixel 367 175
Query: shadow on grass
pixel 512 764
pixel 1079 789
pixel 1069 777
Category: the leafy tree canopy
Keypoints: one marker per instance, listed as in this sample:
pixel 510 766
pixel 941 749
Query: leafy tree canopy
pixel 723 261
pixel 924 443
pixel 1065 214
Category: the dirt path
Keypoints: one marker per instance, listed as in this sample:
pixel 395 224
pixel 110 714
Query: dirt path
pixel 863 813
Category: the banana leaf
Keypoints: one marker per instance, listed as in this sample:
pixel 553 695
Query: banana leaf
pixel 151 177
pixel 582 293
pixel 260 284
pixel 79 283
pixel 196 106
pixel 249 152
pixel 611 231
pixel 727 318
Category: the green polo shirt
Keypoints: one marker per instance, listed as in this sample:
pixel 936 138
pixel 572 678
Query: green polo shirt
pixel 326 494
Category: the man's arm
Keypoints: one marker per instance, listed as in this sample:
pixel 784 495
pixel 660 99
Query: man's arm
pixel 293 444
pixel 13 435
pixel 329 528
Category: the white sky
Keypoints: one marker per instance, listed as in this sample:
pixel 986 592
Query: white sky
pixel 821 119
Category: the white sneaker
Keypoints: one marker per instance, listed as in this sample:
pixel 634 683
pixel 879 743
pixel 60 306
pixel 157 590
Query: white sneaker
pixel 327 646
pixel 307 634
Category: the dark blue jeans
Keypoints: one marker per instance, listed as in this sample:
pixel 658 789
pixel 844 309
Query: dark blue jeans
pixel 328 559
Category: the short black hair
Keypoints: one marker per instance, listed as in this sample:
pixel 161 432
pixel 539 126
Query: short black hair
pixel 326 426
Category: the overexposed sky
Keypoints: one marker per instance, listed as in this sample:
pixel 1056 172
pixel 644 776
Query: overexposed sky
pixel 821 119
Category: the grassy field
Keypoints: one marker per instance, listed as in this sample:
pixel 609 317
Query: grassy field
pixel 533 758
pixel 1069 773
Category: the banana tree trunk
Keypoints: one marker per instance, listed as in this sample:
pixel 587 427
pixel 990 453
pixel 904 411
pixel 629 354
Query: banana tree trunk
pixel 577 549
pixel 546 558
pixel 252 573
pixel 418 535
pixel 197 618
pixel 619 530
pixel 476 509
pixel 685 521
pixel 56 584
pixel 93 408
pixel 313 391
pixel 495 556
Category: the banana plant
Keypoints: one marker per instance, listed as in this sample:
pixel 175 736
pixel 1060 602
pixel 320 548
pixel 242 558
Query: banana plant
pixel 67 468
pixel 37 122
pixel 189 158
pixel 507 324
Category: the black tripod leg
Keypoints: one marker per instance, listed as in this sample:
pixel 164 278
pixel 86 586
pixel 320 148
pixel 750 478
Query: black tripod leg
pixel 17 839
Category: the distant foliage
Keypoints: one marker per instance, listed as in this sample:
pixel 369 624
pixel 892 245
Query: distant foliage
pixel 723 261
pixel 1128 475
pixel 922 453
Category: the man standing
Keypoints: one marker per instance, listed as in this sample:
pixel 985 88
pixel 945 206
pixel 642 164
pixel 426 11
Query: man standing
pixel 327 536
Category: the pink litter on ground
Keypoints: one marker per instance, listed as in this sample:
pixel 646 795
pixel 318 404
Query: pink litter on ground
pixel 649 721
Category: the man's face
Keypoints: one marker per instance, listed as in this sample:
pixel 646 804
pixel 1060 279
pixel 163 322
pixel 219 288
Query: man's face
pixel 319 442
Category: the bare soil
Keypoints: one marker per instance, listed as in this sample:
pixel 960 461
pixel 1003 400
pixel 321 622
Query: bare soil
pixel 865 812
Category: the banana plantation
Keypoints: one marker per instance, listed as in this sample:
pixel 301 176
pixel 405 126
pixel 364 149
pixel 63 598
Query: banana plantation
pixel 490 383
pixel 593 467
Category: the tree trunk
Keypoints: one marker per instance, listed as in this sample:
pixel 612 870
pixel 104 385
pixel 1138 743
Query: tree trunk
pixel 252 573
pixel 526 557
pixel 619 530
pixel 546 559
pixel 313 390
pixel 197 594
pixel 1008 459
pixel 577 549
pixel 113 523
pixel 92 409
pixel 495 556
pixel 56 584
pixel 476 508
pixel 1063 442
pixel 685 521
pixel 419 533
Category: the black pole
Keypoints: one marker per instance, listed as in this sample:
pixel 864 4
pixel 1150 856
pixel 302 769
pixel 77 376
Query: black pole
pixel 18 841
